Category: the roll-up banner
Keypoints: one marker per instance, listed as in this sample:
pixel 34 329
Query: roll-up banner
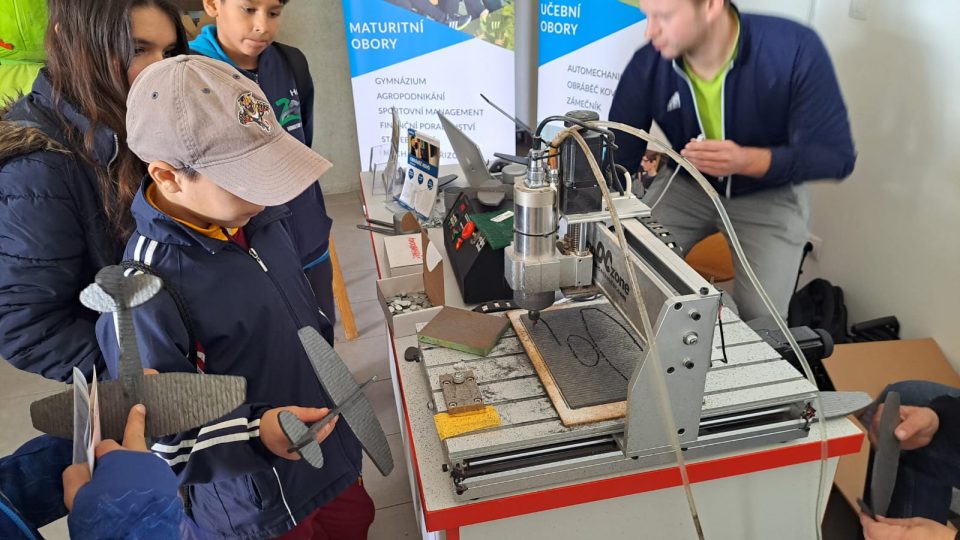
pixel 584 47
pixel 423 57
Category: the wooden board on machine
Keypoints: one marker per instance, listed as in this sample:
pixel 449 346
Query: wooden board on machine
pixel 568 416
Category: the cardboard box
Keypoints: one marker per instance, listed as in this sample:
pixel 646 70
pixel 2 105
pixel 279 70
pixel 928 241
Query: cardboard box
pixel 429 280
pixel 404 254
pixel 870 367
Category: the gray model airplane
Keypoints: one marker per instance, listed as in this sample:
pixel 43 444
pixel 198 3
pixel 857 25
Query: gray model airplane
pixel 349 401
pixel 175 402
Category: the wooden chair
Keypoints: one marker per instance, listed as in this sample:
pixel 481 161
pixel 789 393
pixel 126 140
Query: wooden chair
pixel 711 258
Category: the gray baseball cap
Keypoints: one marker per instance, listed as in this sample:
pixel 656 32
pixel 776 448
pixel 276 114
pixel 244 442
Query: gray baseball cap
pixel 196 112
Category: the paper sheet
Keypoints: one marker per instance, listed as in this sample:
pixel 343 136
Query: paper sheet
pixel 86 419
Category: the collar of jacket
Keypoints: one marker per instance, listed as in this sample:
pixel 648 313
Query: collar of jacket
pixel 104 139
pixel 158 226
pixel 743 44
pixel 206 44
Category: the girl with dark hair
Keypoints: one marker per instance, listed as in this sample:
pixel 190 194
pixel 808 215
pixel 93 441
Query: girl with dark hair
pixel 67 178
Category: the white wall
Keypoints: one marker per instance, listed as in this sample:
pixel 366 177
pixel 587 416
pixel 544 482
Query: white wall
pixel 798 10
pixel 890 231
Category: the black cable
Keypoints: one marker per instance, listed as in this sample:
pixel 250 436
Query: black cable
pixel 723 342
pixel 543 235
pixel 543 123
pixel 807 248
pixel 450 181
pixel 178 300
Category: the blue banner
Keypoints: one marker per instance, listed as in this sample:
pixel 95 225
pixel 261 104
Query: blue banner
pixel 584 46
pixel 424 58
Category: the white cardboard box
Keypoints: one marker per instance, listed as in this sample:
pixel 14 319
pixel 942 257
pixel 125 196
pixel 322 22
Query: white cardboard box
pixel 404 254
pixel 428 279
pixel 404 324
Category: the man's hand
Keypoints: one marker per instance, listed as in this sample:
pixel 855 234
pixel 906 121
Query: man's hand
pixel 917 426
pixel 904 529
pixel 77 476
pixel 724 158
pixel 272 435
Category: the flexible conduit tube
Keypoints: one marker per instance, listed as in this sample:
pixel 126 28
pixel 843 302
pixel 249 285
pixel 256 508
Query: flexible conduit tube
pixel 647 330
pixel 781 325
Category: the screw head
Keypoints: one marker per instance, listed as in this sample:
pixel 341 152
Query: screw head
pixel 691 339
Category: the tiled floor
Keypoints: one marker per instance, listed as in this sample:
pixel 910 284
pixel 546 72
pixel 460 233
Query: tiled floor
pixel 366 356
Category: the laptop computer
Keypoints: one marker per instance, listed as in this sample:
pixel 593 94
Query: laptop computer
pixel 472 163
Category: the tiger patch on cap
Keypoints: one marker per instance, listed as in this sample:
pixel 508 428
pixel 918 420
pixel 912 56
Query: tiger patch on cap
pixel 253 111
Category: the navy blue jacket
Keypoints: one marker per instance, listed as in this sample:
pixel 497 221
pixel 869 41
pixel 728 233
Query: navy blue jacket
pixel 54 237
pixel 948 410
pixel 246 317
pixel 780 92
pixel 294 109
pixel 31 486
pixel 132 495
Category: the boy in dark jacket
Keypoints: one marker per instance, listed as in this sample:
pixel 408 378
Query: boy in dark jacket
pixel 210 223
pixel 243 37
pixel 753 102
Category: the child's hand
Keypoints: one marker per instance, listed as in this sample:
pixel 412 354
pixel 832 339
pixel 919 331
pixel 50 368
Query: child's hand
pixel 272 435
pixel 77 476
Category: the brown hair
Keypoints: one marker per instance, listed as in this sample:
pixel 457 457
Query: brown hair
pixel 654 157
pixel 89 48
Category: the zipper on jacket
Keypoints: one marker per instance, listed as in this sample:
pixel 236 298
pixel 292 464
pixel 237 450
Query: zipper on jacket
pixel 116 152
pixel 693 95
pixel 723 119
pixel 256 257
pixel 297 325
pixel 728 180
pixel 283 295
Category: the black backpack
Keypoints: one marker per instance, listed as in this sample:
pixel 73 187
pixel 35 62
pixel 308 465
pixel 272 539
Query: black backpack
pixel 819 304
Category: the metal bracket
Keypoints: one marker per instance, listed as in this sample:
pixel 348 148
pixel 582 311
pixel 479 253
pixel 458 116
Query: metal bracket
pixel 547 274
pixel 460 392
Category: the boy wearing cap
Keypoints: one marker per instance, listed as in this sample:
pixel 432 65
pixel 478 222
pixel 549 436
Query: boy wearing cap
pixel 210 223
pixel 243 37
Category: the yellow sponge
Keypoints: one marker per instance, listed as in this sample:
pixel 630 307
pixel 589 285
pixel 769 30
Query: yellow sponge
pixel 451 425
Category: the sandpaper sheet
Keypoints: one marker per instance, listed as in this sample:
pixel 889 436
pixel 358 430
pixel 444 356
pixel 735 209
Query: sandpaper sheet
pixel 463 330
pixel 886 459
pixel 589 351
